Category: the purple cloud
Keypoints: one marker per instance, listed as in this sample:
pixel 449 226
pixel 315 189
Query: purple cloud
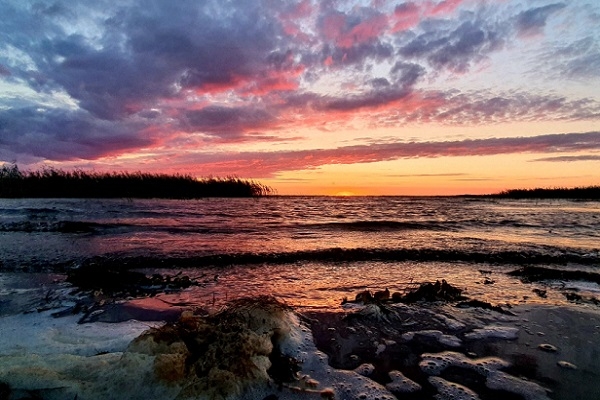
pixel 533 21
pixel 586 157
pixel 146 73
pixel 64 135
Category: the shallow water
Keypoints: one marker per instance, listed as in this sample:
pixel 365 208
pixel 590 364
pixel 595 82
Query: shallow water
pixel 45 233
pixel 310 252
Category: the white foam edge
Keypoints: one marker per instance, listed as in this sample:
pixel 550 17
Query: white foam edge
pixel 447 340
pixel 401 384
pixel 42 334
pixel 59 356
pixel 451 391
pixel 493 332
pixel 435 363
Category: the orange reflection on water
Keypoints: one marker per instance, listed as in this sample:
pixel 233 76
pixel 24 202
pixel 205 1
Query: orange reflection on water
pixel 312 286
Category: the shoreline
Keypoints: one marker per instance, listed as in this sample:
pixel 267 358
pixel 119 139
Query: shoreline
pixel 375 341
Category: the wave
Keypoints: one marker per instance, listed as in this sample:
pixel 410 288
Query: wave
pixel 56 226
pixel 385 225
pixel 339 255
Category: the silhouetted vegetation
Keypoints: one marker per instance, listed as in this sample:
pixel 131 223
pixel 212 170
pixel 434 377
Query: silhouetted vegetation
pixel 53 183
pixel 578 193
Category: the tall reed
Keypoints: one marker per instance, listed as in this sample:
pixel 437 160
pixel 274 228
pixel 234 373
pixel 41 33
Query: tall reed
pixel 56 183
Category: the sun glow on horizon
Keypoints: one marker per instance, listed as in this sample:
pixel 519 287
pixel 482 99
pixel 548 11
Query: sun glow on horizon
pixel 345 194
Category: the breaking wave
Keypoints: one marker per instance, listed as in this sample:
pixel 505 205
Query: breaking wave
pixel 337 255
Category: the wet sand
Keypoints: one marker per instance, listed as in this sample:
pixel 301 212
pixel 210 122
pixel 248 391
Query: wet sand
pixel 411 351
pixel 569 368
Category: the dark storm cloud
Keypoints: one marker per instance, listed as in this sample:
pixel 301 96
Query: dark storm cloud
pixel 64 135
pixel 534 20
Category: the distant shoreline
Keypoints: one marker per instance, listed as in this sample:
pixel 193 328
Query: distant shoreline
pixel 577 193
pixel 52 183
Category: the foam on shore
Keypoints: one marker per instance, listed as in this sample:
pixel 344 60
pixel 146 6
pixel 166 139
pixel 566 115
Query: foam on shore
pixel 225 356
pixel 488 367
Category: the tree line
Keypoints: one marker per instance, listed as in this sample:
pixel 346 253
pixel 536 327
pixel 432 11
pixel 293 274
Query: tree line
pixel 577 193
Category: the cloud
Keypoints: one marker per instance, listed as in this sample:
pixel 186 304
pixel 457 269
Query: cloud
pixel 586 157
pixel 483 107
pixel 533 21
pixel 453 49
pixel 62 135
pixel 268 164
pixel 147 74
pixel 4 71
pixel 579 59
pixel 226 122
pixel 144 53
pixel 425 175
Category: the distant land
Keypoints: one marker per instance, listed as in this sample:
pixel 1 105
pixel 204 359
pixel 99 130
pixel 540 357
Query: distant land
pixel 53 183
pixel 577 193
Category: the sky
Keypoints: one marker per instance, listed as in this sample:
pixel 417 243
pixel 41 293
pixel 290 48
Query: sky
pixel 330 97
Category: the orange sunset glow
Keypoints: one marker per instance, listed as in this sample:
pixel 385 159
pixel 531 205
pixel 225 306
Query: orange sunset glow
pixel 339 98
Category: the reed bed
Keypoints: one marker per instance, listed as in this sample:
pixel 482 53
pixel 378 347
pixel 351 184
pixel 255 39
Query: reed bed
pixel 56 183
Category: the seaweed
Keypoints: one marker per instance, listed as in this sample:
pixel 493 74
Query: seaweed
pixel 223 354
pixel 438 291
pixel 127 283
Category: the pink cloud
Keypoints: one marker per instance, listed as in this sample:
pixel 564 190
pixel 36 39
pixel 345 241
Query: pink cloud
pixel 444 7
pixel 333 26
pixel 408 15
pixel 365 31
pixel 268 164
